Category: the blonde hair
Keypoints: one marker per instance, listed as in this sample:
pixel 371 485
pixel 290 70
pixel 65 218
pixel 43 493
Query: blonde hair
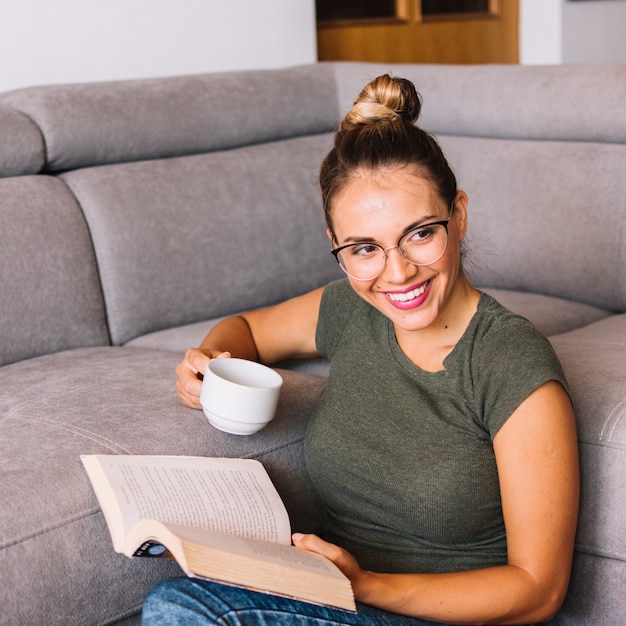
pixel 384 99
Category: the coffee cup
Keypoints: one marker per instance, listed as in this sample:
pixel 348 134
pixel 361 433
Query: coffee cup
pixel 239 396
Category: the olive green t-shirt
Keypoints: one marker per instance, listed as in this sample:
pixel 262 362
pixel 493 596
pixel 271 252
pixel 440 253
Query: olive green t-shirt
pixel 403 458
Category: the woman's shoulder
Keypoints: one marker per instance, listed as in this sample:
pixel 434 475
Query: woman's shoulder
pixel 502 336
pixel 495 318
pixel 508 359
pixel 341 307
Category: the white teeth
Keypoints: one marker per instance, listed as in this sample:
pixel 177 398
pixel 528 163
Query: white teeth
pixel 409 295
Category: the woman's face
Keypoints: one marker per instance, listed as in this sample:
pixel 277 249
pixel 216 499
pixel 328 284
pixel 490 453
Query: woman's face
pixel 381 207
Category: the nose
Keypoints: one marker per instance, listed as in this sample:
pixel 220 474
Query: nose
pixel 397 268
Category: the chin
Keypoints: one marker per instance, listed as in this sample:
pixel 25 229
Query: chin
pixel 413 318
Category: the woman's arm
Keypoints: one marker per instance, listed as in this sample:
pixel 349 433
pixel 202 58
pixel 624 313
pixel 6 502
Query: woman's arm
pixel 283 331
pixel 537 456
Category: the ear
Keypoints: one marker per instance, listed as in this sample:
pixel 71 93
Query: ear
pixel 330 236
pixel 459 215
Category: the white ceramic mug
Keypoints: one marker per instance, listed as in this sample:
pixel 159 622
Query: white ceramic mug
pixel 239 396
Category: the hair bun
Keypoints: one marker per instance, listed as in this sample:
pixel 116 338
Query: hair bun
pixel 384 99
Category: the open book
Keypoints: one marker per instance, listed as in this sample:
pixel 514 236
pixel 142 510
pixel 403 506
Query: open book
pixel 221 519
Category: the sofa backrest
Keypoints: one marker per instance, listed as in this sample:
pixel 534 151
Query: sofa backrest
pixel 22 144
pixel 131 120
pixel 199 192
pixel 50 296
pixel 185 239
pixel 541 152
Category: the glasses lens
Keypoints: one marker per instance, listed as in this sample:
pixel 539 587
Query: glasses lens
pixel 424 245
pixel 362 261
pixel 421 246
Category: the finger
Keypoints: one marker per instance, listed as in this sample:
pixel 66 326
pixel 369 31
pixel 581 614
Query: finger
pixel 196 360
pixel 313 543
pixel 190 398
pixel 189 375
pixel 188 383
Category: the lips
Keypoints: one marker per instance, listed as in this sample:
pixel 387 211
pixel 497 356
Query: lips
pixel 408 296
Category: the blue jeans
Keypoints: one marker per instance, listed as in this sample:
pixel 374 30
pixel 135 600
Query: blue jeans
pixel 190 601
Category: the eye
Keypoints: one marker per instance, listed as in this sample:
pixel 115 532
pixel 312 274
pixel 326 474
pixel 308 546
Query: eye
pixel 423 234
pixel 364 249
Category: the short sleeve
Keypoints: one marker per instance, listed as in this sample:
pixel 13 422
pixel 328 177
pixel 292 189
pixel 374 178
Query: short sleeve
pixel 510 361
pixel 338 303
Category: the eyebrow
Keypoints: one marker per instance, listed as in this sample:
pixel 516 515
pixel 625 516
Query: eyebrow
pixel 421 222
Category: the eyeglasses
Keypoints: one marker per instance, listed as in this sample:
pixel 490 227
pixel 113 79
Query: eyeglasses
pixel 422 245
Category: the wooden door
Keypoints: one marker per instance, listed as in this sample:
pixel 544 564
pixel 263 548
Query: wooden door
pixel 418 31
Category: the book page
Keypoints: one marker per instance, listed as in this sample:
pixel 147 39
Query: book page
pixel 226 495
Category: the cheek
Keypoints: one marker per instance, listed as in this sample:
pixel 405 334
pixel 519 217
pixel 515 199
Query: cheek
pixel 450 263
pixel 452 254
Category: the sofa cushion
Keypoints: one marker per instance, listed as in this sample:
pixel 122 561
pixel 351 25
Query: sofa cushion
pixel 110 401
pixel 181 338
pixel 553 102
pixel 594 359
pixel 51 298
pixel 22 144
pixel 549 222
pixel 192 238
pixel 596 595
pixel 109 122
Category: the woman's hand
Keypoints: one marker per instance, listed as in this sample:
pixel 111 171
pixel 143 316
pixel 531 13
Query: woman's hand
pixel 190 371
pixel 340 557
pixel 269 335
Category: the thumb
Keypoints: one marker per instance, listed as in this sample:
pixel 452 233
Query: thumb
pixel 313 543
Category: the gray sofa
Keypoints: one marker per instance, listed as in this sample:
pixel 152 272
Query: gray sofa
pixel 134 214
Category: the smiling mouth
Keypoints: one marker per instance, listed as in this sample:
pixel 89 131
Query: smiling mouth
pixel 409 295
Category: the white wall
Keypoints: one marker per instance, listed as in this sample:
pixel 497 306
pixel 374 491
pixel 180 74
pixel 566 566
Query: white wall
pixel 562 31
pixel 541 39
pixel 58 41
pixel 594 32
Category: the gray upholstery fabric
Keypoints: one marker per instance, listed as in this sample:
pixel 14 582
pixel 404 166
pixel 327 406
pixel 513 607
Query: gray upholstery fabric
pixel 556 102
pixel 596 593
pixel 22 144
pixel 175 239
pixel 601 427
pixel 91 124
pixel 180 338
pixel 176 339
pixel 110 401
pixel 50 294
pixel 594 359
pixel 540 211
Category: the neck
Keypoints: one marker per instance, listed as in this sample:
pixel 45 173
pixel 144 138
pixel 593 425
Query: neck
pixel 428 347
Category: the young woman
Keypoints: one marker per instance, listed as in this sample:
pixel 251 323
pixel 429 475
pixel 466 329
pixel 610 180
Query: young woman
pixel 444 448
